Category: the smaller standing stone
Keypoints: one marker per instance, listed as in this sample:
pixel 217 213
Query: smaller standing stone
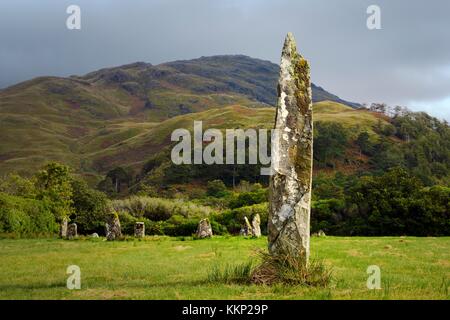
pixel 248 227
pixel 321 233
pixel 113 229
pixel 139 229
pixel 94 235
pixel 63 228
pixel 72 231
pixel 204 229
pixel 256 228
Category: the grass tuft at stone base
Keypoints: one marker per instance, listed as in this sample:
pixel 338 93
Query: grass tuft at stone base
pixel 279 269
pixel 291 270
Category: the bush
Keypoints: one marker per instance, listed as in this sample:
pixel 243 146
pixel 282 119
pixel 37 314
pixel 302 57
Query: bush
pixel 233 219
pixel 18 186
pixel 163 216
pixel 25 216
pixel 90 207
pixel 216 188
pixel 53 185
pixel 217 228
pixel 249 198
pixel 180 226
pixel 157 209
pixel 127 223
pixel 325 215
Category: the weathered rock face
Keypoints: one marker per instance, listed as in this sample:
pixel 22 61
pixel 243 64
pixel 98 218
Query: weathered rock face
pixel 113 229
pixel 204 229
pixel 94 235
pixel 248 227
pixel 292 149
pixel 256 226
pixel 139 229
pixel 63 228
pixel 72 231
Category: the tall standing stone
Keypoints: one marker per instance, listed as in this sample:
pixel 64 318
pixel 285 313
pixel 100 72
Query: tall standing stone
pixel 292 150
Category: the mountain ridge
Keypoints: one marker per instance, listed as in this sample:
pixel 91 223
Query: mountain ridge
pixel 210 67
pixel 93 122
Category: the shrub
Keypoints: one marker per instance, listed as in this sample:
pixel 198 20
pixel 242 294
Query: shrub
pixel 180 226
pixel 53 184
pixel 325 214
pixel 163 216
pixel 90 207
pixel 18 186
pixel 157 209
pixel 217 228
pixel 25 216
pixel 249 198
pixel 154 227
pixel 216 188
pixel 127 223
pixel 233 219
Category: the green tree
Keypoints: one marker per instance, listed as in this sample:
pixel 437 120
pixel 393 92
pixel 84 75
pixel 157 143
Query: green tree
pixel 18 186
pixel 364 144
pixel 53 184
pixel 216 188
pixel 119 178
pixel 330 141
pixel 90 207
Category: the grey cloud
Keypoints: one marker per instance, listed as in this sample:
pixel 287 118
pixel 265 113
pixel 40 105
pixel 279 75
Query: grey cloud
pixel 407 62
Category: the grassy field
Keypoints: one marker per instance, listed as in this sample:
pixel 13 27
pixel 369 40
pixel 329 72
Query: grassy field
pixel 169 268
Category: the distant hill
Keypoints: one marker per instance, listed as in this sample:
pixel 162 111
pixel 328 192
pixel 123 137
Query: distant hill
pixel 141 90
pixel 135 151
pixel 79 118
pixel 123 116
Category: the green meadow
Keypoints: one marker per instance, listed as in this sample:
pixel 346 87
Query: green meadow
pixel 178 268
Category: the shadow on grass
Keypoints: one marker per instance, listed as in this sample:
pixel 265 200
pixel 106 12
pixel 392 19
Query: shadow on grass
pixel 33 286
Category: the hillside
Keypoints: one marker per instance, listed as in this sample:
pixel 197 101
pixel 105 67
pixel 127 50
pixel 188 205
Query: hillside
pixel 137 149
pixel 94 146
pixel 123 116
pixel 81 119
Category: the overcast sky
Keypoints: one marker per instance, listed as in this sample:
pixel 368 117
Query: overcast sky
pixel 407 62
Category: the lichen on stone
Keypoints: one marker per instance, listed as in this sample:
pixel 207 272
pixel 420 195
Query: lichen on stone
pixel 290 185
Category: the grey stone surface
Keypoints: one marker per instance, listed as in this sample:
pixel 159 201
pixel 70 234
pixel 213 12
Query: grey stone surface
pixel 139 229
pixel 292 149
pixel 256 226
pixel 94 235
pixel 204 229
pixel 72 231
pixel 113 229
pixel 248 227
pixel 63 228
